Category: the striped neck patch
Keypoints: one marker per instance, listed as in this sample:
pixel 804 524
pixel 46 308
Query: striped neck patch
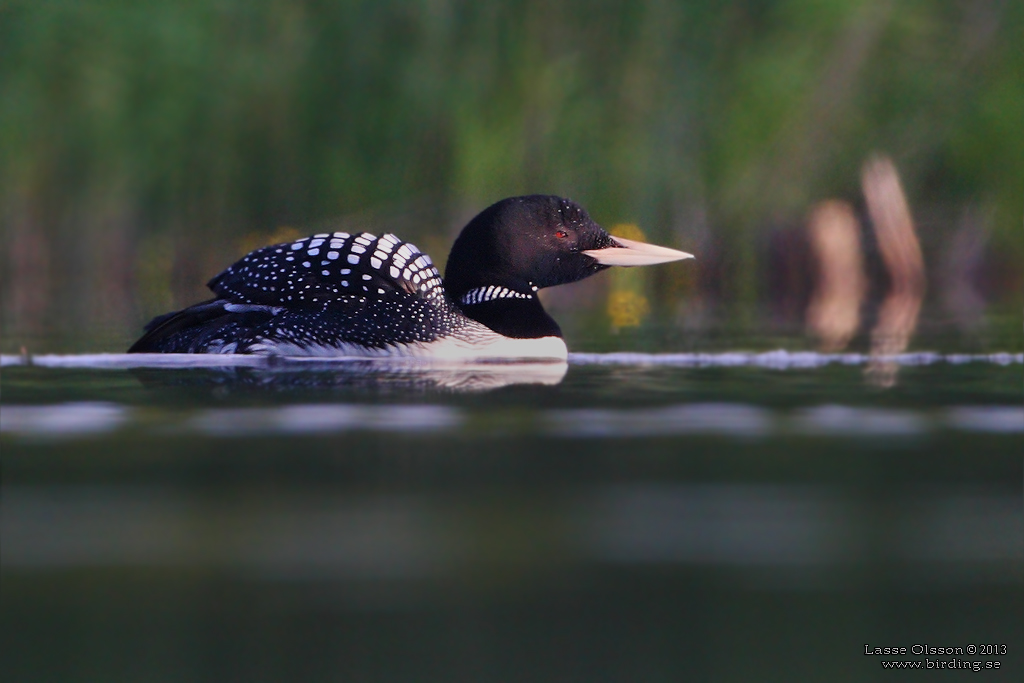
pixel 490 293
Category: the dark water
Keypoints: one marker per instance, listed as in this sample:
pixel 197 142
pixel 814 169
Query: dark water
pixel 706 517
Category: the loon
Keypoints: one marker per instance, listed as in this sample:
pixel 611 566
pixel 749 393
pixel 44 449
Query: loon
pixel 339 294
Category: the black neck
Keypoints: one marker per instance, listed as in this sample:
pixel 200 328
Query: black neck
pixel 516 318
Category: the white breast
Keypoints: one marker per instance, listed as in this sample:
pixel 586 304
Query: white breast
pixel 474 343
pixel 452 348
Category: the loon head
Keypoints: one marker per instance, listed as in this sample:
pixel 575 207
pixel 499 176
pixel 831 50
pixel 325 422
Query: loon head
pixel 523 244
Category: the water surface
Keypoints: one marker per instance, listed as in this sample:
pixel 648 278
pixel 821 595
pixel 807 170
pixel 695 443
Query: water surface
pixel 619 516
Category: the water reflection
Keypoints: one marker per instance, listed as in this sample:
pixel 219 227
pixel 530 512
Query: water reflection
pixel 368 377
pixel 717 418
pixel 730 420
pixel 226 371
pixel 833 314
pixel 901 253
pixel 719 524
pixel 541 373
pixel 327 418
pixel 386 537
pixel 66 420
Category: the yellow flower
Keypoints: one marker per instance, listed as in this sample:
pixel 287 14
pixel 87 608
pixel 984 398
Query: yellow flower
pixel 627 304
pixel 627 308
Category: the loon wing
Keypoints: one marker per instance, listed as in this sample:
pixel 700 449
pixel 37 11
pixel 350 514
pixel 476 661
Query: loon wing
pixel 210 327
pixel 328 293
pixel 330 266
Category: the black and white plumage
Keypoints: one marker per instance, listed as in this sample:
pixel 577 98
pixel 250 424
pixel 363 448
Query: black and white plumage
pixel 341 294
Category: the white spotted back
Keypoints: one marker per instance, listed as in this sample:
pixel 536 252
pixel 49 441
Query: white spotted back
pixel 330 266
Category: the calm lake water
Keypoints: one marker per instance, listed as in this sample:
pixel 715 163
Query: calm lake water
pixel 720 516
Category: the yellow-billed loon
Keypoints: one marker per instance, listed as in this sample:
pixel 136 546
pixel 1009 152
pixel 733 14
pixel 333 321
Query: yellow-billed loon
pixel 340 294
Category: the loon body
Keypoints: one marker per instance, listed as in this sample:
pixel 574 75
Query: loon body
pixel 341 294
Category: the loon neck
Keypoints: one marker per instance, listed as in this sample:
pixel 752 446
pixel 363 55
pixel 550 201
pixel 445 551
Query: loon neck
pixel 508 312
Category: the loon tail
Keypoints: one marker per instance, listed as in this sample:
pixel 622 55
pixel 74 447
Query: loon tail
pixel 199 328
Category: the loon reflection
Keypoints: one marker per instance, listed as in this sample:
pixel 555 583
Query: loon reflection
pixel 361 376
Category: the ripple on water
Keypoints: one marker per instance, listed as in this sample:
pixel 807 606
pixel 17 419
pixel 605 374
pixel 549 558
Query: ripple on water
pixel 734 420
pixel 777 360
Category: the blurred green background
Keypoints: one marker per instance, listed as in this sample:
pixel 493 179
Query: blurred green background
pixel 148 145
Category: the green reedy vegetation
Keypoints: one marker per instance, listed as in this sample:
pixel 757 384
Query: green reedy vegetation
pixel 173 130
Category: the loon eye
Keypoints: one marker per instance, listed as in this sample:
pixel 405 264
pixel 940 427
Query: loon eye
pixel 561 234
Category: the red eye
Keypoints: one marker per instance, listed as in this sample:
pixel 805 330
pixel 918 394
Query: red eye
pixel 561 234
